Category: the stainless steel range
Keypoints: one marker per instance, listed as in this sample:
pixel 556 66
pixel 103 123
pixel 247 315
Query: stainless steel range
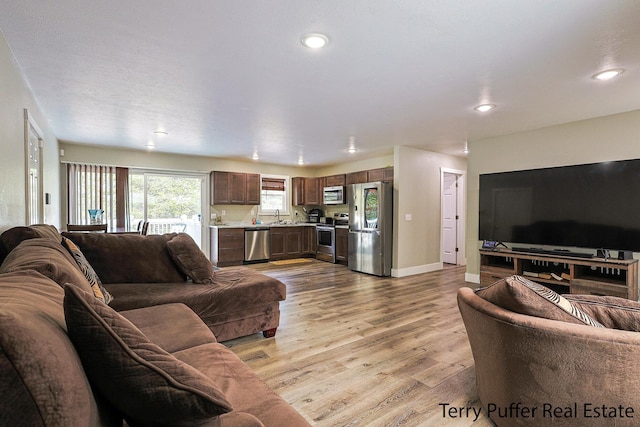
pixel 326 237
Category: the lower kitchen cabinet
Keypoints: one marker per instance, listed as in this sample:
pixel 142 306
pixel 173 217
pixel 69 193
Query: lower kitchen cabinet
pixel 342 245
pixel 292 242
pixel 309 241
pixel 227 246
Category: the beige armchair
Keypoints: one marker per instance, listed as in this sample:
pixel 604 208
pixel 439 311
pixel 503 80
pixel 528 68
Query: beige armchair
pixel 536 371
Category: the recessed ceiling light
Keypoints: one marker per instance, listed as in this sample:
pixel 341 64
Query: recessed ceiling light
pixel 150 145
pixel 255 156
pixel 352 145
pixel 608 74
pixel 483 108
pixel 300 161
pixel 314 40
pixel 160 132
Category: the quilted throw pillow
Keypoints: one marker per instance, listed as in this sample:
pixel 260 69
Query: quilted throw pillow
pixel 612 312
pixel 190 259
pixel 161 390
pixel 99 290
pixel 523 296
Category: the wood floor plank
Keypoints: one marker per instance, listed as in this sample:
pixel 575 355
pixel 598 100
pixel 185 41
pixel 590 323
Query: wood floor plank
pixel 359 350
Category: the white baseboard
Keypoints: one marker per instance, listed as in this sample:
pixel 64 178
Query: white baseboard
pixel 419 269
pixel 473 278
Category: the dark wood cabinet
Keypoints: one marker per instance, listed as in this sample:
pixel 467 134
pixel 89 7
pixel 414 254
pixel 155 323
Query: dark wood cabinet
pixel 342 245
pixel 357 177
pixel 252 195
pixel 306 191
pixel 380 174
pixel 277 247
pixel 235 188
pixel 371 175
pixel 220 188
pixel 292 242
pixel 309 241
pixel 227 246
pixel 297 188
pixel 335 180
pixel 286 242
pixel 312 195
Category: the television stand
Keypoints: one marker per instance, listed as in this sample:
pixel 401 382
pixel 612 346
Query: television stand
pixel 560 252
pixel 564 273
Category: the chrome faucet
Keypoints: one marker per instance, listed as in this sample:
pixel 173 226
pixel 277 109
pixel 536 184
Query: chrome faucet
pixel 277 215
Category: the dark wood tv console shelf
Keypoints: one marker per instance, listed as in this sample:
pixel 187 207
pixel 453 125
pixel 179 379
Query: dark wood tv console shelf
pixel 595 276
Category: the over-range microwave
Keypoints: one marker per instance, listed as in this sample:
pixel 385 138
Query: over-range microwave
pixel 334 195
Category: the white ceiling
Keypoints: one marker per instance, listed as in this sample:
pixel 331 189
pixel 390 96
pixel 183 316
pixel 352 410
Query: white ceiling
pixel 227 78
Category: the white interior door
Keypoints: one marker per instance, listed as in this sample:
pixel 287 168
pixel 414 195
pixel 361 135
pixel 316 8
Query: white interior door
pixel 449 218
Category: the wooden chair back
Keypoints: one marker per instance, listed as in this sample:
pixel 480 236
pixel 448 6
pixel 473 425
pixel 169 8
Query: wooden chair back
pixel 96 228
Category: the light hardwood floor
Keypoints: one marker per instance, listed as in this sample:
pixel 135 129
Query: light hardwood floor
pixel 360 350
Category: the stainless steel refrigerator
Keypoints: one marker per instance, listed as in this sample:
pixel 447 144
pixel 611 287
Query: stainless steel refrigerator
pixel 370 227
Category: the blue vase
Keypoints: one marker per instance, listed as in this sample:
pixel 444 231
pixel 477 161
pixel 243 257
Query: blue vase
pixel 95 216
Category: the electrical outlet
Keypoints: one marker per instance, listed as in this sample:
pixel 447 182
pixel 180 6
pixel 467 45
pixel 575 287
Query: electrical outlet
pixel 252 212
pixel 213 215
pixel 408 217
pixel 223 213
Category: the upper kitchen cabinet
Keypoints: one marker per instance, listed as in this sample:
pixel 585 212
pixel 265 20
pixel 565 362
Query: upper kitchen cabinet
pixel 306 191
pixel 252 196
pixel 335 180
pixel 380 174
pixel 220 188
pixel 371 175
pixel 235 188
pixel 357 177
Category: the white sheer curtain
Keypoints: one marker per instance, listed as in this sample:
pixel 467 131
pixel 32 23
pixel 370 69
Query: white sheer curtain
pixel 93 187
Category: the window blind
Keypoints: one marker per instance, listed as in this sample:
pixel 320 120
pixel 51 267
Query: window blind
pixel 275 184
pixel 98 187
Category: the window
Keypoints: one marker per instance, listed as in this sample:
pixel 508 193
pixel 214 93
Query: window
pixel 97 187
pixel 274 194
pixel 169 201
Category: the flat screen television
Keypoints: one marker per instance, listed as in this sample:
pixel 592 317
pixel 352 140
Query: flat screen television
pixel 594 206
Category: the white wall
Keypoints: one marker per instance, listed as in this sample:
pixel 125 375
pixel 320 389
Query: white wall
pixel 615 137
pixel 15 96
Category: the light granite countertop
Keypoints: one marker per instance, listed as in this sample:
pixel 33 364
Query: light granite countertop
pixel 231 224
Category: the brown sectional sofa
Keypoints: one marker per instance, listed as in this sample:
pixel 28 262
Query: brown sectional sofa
pixel 68 359
pixel 139 271
pixel 565 361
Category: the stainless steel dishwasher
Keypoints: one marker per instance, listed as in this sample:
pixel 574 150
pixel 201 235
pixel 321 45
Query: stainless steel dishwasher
pixel 256 244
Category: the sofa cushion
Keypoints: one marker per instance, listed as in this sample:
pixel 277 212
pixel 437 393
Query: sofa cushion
pixel 129 258
pixel 612 312
pixel 236 291
pixel 244 389
pixel 42 381
pixel 48 258
pixel 190 259
pixel 89 273
pixel 12 237
pixel 160 389
pixel 523 296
